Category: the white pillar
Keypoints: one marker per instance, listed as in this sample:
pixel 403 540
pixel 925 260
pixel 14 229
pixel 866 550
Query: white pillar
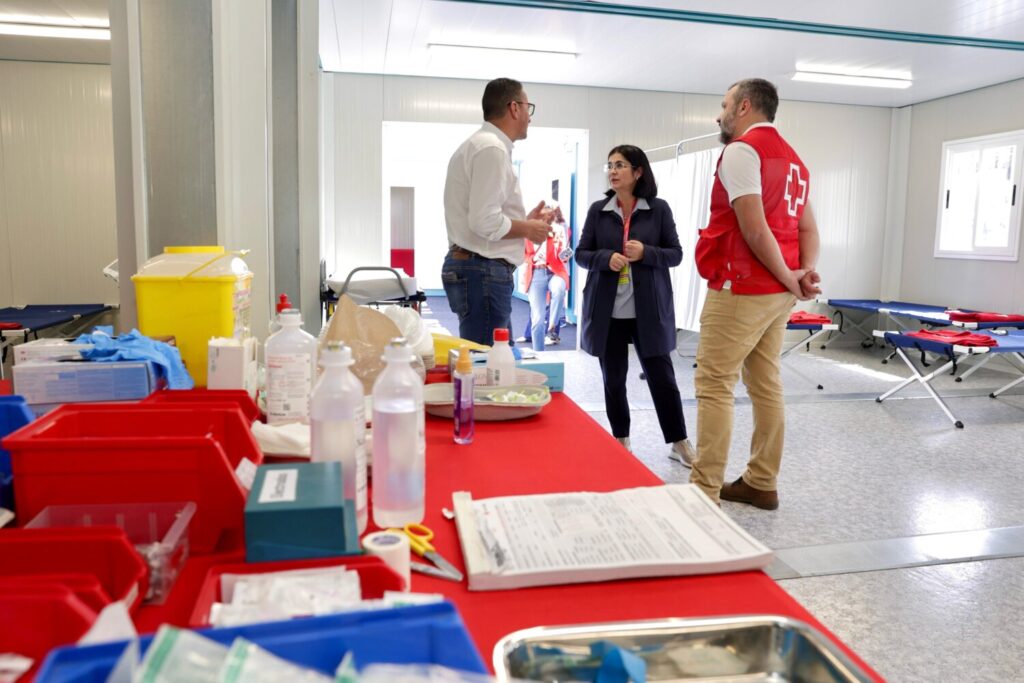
pixel 242 125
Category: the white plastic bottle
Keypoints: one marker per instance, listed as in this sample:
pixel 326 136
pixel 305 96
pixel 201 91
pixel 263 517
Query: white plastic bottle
pixel 501 364
pixel 290 355
pixel 399 442
pixel 337 419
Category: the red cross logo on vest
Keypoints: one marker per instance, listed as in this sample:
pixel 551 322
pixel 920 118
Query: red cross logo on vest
pixel 796 190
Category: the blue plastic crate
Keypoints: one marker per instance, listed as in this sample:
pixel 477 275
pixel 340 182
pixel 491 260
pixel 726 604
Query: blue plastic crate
pixel 14 414
pixel 424 634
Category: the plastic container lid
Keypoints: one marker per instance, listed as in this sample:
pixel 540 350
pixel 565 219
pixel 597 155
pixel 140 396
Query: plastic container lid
pixel 196 262
pixel 283 303
pixel 501 334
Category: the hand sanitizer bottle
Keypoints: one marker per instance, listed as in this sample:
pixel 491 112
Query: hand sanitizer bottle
pixel 462 410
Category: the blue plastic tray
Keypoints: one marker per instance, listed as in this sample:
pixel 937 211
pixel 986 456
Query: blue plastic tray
pixel 14 414
pixel 424 634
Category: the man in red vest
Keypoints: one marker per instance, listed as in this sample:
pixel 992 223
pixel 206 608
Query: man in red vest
pixel 758 254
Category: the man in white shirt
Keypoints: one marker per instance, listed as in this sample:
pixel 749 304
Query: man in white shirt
pixel 485 217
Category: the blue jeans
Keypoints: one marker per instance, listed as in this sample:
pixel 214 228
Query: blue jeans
pixel 544 281
pixel 479 292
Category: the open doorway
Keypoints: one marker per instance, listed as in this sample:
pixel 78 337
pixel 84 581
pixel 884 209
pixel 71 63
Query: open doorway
pixel 414 162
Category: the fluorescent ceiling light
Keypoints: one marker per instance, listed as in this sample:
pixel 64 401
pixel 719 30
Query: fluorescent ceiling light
pixel 851 79
pixel 491 54
pixel 41 31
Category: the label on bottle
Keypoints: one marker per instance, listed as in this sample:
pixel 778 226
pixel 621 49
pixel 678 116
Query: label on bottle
pixel 493 376
pixel 289 382
pixel 360 419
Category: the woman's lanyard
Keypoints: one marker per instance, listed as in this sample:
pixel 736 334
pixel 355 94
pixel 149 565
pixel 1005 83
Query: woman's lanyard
pixel 626 220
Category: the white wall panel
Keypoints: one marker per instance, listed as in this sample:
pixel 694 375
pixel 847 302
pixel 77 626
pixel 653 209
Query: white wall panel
pixel 988 285
pixel 846 148
pixel 57 177
pixel 360 237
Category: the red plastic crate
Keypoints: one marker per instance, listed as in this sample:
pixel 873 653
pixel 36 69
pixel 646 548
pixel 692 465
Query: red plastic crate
pixel 104 552
pixel 239 397
pixel 142 453
pixel 375 577
pixel 36 619
pixel 86 587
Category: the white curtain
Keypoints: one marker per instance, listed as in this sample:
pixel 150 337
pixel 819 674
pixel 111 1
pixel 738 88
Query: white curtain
pixel 685 183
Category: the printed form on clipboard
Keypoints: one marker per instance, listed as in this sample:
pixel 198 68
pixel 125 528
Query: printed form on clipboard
pixel 548 539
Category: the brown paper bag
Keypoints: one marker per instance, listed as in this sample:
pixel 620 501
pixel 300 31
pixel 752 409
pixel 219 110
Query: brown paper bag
pixel 366 331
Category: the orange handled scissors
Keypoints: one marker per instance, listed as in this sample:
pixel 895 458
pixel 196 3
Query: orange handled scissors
pixel 419 541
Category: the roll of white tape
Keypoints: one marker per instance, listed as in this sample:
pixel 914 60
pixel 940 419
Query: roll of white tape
pixel 393 548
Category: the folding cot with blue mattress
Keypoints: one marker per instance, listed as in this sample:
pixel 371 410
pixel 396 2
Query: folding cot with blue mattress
pixel 1010 343
pixel 814 330
pixel 892 313
pixel 26 321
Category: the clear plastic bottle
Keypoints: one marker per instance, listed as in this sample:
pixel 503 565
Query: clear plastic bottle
pixel 399 442
pixel 290 355
pixel 463 388
pixel 501 364
pixel 337 419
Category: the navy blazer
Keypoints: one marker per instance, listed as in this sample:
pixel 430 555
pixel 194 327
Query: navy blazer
pixel 652 284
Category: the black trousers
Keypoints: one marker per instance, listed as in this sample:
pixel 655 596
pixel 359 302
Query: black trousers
pixel 661 380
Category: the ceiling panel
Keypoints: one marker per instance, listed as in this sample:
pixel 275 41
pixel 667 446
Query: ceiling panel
pixel 997 19
pixel 658 54
pixel 92 13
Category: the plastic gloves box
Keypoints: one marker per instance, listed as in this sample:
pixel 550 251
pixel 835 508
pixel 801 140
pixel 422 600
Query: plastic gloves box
pixel 54 382
pixel 297 511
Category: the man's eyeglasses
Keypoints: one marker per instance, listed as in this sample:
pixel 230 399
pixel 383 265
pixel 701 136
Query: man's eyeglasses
pixel 529 106
pixel 617 165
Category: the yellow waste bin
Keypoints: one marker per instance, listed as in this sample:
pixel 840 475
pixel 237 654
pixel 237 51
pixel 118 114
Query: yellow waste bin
pixel 194 294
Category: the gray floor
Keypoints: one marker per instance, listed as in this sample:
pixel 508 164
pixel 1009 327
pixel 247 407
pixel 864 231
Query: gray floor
pixel 857 472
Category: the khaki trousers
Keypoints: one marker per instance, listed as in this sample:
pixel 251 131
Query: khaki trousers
pixel 740 332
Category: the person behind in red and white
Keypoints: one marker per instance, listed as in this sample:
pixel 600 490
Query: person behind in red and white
pixel 758 254
pixel 545 274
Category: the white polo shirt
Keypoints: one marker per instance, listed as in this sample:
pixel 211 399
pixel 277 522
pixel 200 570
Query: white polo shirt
pixel 482 197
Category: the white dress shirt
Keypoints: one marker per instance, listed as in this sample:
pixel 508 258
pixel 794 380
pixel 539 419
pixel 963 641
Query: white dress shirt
pixel 482 197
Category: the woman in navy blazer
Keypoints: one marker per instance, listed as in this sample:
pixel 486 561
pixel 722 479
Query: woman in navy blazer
pixel 628 244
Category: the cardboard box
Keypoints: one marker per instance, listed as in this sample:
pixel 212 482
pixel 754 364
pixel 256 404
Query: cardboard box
pixel 554 369
pixel 232 364
pixel 297 511
pixel 55 381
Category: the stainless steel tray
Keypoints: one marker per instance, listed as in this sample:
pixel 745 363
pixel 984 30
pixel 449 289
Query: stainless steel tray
pixel 741 649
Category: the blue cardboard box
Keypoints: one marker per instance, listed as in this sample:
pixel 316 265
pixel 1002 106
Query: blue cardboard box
pixel 51 382
pixel 297 511
pixel 554 369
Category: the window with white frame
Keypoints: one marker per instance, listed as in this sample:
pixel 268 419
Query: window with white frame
pixel 979 197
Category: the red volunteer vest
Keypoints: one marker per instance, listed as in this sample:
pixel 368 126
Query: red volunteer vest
pixel 722 253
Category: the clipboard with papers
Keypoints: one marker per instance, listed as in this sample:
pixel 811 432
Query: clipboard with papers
pixel 548 539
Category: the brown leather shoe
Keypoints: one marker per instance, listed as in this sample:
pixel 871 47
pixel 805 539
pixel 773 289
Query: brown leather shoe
pixel 741 492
